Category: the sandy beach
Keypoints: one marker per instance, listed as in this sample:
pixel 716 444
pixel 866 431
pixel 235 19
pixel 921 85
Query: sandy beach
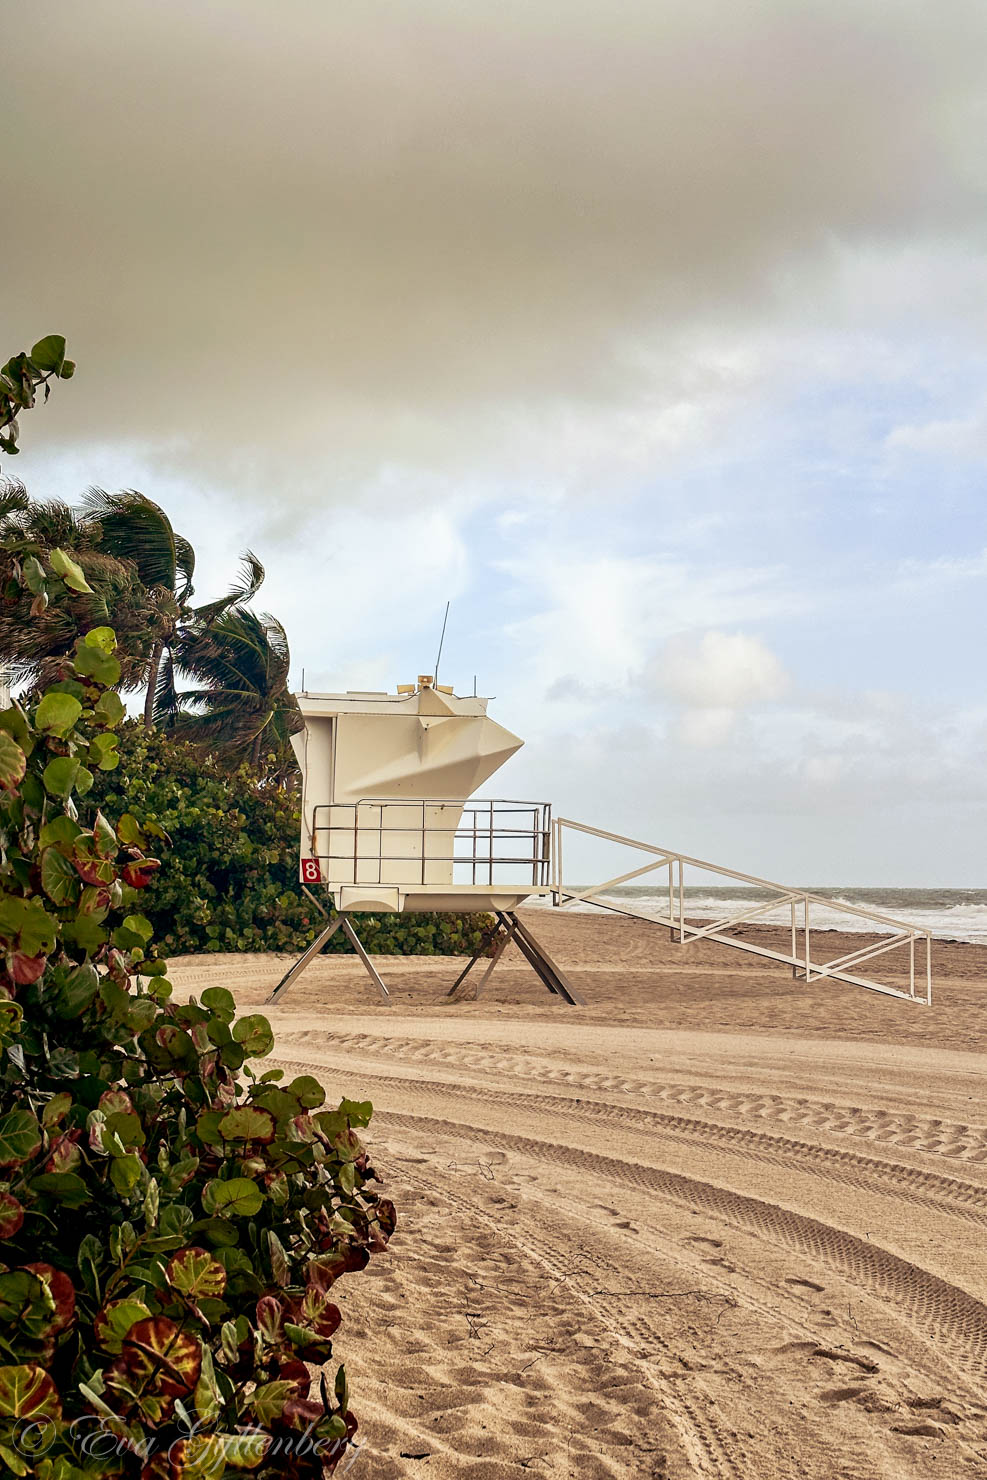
pixel 716 1223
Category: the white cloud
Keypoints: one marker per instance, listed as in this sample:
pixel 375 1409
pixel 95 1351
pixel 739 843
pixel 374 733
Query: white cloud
pixel 717 671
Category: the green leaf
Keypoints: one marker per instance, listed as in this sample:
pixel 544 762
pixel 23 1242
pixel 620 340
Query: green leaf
pixel 64 1187
pixel 90 662
pixel 267 1401
pixel 254 1033
pixel 49 353
pixel 125 1173
pixel 206 1456
pixel 20 1137
pixel 59 830
pixel 34 575
pixel 307 1091
pixel 58 713
pixel 104 837
pixel 85 932
pixel 247 1123
pixel 139 925
pixel 109 709
pixel 26 921
pixel 357 1112
pixel 128 828
pixel 61 774
pixel 70 573
pixel 219 1001
pixel 236 1198
pixel 11 1215
pixel 59 879
pixel 103 750
pixel 56 1109
pixel 103 639
pixel 13 763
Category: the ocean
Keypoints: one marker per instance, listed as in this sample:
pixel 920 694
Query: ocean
pixel 950 914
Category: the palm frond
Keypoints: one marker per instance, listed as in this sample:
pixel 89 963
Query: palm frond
pixel 243 590
pixel 133 527
pixel 14 500
pixel 185 563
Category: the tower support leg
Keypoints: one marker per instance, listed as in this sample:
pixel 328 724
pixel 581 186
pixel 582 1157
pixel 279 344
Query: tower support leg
pixel 510 928
pixel 541 962
pixel 341 922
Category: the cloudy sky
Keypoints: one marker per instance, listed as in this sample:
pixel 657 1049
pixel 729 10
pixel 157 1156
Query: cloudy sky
pixel 653 335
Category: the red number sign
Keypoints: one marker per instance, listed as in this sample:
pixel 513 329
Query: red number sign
pixel 311 873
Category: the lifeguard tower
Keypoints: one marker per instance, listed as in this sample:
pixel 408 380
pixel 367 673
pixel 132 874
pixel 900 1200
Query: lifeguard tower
pixel 390 824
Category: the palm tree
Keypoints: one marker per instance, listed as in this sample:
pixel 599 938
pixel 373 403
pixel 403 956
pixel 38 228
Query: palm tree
pixel 35 636
pixel 242 705
pixel 132 528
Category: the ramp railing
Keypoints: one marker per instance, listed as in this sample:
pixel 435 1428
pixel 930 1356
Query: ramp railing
pixel 796 929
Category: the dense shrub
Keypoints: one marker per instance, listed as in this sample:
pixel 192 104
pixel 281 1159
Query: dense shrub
pixel 231 881
pixel 171 1220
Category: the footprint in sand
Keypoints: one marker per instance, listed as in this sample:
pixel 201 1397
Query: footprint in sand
pixel 805 1285
pixel 698 1238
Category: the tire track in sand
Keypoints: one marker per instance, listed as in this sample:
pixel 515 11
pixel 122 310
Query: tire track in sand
pixel 949 1317
pixel 964 1200
pixel 894 1128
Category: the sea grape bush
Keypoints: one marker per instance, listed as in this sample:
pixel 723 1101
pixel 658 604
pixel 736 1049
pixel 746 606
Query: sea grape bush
pixel 21 379
pixel 172 1219
pixel 231 881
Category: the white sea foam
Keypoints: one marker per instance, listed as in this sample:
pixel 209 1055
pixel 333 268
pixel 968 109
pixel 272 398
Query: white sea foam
pixel 947 914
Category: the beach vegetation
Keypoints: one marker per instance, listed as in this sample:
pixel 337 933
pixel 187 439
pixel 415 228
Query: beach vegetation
pixel 173 1215
pixel 231 883
pixel 22 379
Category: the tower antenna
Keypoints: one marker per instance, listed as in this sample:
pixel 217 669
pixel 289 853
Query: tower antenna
pixel 441 641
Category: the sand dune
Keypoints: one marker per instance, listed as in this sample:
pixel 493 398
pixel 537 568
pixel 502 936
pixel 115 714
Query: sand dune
pixel 717 1223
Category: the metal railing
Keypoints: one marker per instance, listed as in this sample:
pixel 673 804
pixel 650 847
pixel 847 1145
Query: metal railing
pixel 490 835
pixel 799 902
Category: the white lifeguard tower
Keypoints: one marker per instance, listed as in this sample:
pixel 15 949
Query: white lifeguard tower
pixel 390 824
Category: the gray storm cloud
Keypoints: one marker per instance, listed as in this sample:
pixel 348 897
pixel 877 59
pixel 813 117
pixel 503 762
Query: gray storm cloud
pixel 376 233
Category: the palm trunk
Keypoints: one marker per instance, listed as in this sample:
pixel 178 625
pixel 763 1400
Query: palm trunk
pixel 154 663
pixel 255 751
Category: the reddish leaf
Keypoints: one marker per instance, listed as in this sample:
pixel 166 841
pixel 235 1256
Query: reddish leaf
pixel 116 1102
pixel 139 875
pixel 270 1316
pixel 115 1321
pixel 28 1392
pixel 316 1312
pixel 64 1153
pixel 301 1413
pixel 104 838
pixel 298 1374
pixel 89 866
pixel 158 1364
pixel 197 1274
pixel 12 763
pixel 11 1215
pixel 61 1290
pixel 25 969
